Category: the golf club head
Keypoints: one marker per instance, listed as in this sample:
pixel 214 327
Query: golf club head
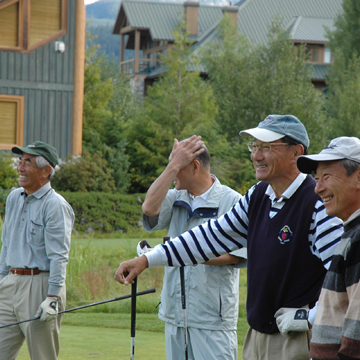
pixel 143 247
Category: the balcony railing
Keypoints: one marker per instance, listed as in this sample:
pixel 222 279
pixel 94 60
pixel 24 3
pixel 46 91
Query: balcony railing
pixel 145 66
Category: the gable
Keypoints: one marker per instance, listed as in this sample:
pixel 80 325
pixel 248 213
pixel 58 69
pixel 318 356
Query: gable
pixel 31 24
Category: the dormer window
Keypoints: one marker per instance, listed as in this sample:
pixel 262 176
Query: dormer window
pixel 27 25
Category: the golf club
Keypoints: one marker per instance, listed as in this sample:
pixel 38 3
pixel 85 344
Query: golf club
pixel 183 303
pixel 133 318
pixel 88 305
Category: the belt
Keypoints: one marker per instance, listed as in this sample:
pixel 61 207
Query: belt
pixel 18 271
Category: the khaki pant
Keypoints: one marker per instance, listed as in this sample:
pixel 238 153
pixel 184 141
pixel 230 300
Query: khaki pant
pixel 20 297
pixel 259 346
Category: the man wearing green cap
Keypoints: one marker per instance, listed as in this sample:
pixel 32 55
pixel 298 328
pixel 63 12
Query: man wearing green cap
pixel 34 255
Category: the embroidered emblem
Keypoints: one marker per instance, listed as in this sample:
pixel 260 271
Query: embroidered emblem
pixel 301 314
pixel 285 235
pixel 268 120
pixel 332 147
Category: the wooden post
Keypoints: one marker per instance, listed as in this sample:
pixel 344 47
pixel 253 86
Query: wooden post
pixel 137 52
pixel 79 64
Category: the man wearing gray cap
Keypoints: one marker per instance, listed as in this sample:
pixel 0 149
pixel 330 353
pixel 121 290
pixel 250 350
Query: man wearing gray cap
pixel 289 237
pixel 34 255
pixel 335 334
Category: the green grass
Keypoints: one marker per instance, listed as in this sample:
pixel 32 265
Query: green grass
pixel 103 332
pixel 107 337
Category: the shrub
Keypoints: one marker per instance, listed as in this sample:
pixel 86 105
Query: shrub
pixel 90 172
pixel 8 173
pixel 104 212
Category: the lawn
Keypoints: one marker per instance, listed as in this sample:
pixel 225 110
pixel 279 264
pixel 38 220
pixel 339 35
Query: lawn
pixel 112 343
pixel 103 332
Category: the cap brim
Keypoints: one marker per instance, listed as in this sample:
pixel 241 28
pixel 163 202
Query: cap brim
pixel 262 134
pixel 309 163
pixel 20 150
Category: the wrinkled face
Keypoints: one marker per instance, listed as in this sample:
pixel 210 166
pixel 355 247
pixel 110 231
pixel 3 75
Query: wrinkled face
pixel 336 189
pixel 273 164
pixel 30 176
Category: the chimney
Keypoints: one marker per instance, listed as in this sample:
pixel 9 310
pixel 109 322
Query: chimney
pixel 231 12
pixel 192 17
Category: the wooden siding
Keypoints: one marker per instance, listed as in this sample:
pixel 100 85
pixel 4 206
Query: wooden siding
pixel 45 19
pixel 46 80
pixel 9 34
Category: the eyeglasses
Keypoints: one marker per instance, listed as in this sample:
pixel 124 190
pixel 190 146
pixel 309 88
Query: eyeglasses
pixel 265 147
pixel 25 162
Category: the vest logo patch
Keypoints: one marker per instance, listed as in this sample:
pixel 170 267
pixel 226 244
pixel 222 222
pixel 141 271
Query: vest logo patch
pixel 285 235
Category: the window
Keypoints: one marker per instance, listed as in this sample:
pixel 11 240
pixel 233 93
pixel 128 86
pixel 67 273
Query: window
pixel 312 53
pixel 327 56
pixel 11 121
pixel 9 29
pixel 26 25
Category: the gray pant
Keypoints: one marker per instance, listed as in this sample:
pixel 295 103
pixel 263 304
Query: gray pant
pixel 202 344
pixel 20 297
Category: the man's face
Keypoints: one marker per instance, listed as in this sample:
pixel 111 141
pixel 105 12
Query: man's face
pixel 271 165
pixel 336 189
pixel 31 178
pixel 184 177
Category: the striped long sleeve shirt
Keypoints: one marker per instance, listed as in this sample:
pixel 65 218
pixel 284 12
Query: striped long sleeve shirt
pixel 229 233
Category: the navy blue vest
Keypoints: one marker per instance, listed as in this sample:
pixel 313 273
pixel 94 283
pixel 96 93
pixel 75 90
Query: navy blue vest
pixel 282 271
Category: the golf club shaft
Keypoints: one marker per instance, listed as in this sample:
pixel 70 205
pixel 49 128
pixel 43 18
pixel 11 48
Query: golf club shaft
pixel 133 318
pixel 183 303
pixel 86 306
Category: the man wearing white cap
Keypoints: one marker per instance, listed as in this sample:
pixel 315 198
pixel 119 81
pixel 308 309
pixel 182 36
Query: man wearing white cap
pixel 335 334
pixel 289 237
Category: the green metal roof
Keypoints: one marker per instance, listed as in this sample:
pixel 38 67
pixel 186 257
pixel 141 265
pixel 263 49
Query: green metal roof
pixel 318 72
pixel 310 29
pixel 255 16
pixel 161 18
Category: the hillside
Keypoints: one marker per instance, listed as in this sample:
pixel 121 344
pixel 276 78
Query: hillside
pixel 100 19
pixel 102 12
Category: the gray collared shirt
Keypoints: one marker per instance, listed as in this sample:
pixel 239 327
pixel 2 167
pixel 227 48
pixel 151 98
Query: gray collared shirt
pixel 37 233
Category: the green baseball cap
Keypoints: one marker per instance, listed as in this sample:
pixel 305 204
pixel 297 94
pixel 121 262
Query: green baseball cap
pixel 39 148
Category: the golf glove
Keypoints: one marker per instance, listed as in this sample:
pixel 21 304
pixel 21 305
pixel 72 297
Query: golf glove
pixel 143 247
pixel 291 319
pixel 48 309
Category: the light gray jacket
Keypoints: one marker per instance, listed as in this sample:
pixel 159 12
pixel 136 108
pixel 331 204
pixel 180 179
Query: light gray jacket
pixel 212 292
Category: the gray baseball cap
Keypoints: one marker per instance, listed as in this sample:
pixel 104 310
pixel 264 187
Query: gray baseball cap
pixel 340 148
pixel 275 127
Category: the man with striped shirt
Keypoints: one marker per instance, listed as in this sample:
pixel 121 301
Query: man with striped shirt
pixel 289 237
pixel 335 334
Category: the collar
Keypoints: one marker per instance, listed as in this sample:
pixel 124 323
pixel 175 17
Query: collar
pixel 42 191
pixel 352 217
pixel 204 195
pixel 289 192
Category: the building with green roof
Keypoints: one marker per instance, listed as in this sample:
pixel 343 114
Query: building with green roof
pixel 146 27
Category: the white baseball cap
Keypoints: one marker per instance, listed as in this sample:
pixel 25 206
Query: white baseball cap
pixel 340 148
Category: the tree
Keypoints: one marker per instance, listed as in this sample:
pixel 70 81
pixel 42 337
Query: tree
pixel 343 106
pixel 178 105
pixel 346 36
pixel 251 82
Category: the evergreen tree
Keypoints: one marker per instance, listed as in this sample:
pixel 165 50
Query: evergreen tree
pixel 178 105
pixel 251 82
pixel 343 106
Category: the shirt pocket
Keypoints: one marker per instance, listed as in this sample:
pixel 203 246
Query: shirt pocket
pixel 36 233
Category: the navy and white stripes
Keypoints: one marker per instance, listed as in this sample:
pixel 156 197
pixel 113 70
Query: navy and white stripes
pixel 229 233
